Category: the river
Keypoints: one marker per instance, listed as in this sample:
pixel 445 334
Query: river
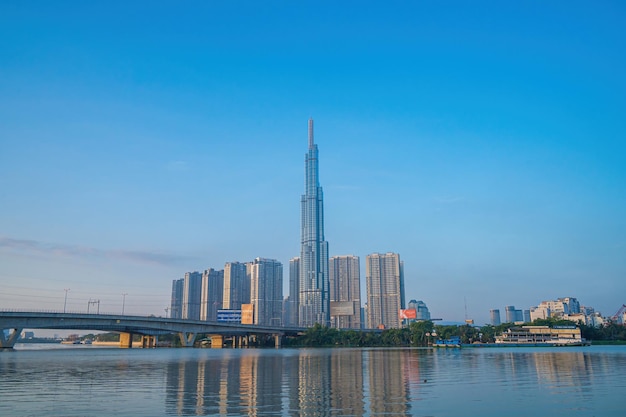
pixel 62 380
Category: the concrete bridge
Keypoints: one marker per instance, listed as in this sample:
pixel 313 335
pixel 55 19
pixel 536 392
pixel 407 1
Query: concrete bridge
pixel 148 327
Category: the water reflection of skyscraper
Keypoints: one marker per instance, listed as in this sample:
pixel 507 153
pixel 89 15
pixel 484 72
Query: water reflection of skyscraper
pixel 388 380
pixel 306 382
pixel 347 381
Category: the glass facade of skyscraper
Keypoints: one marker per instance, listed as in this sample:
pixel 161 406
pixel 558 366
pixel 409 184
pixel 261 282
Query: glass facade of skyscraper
pixel 314 299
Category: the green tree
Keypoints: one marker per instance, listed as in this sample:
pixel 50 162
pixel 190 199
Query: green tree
pixel 418 332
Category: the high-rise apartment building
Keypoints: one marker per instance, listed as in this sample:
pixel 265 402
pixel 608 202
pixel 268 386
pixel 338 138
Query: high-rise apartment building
pixel 192 295
pixel 495 317
pixel 510 314
pixel 176 304
pixel 236 286
pixel 266 291
pixel 294 292
pixel 384 279
pixel 345 292
pixel 212 294
pixel 314 294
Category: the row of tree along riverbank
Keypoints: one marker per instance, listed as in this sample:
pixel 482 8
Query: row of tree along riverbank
pixel 424 333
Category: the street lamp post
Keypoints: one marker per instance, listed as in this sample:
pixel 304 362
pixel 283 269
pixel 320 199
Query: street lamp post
pixel 93 302
pixel 123 301
pixel 65 302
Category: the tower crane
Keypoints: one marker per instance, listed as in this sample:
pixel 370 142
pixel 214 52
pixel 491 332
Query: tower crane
pixel 617 317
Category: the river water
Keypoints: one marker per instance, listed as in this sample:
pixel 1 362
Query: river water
pixel 60 380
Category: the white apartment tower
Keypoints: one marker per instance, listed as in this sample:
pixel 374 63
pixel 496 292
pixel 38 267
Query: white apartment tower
pixel 266 291
pixel 212 294
pixel 384 279
pixel 236 286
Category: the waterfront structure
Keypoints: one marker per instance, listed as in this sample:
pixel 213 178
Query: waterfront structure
pixel 176 303
pixel 541 336
pixel 192 295
pixel 266 291
pixel 345 292
pixel 314 300
pixel 212 294
pixel 384 279
pixel 294 292
pixel 495 317
pixel 236 286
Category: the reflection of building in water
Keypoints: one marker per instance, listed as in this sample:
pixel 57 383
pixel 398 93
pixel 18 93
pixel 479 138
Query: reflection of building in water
pixel 304 383
pixel 388 382
pixel 314 378
pixel 260 380
pixel 346 367
pixel 558 369
pixel 202 387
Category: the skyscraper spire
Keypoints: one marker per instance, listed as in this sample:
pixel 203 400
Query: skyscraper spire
pixel 311 133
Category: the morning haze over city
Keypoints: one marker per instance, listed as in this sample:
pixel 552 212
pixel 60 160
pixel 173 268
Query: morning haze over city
pixel 485 158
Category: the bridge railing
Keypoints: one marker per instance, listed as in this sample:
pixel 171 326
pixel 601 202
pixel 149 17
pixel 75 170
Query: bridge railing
pixel 103 313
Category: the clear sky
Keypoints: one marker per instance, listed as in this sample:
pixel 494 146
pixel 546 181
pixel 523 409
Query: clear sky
pixel 485 142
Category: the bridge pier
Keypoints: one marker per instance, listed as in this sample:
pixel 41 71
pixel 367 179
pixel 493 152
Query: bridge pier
pixel 277 340
pixel 217 341
pixel 8 343
pixel 148 341
pixel 126 340
pixel 187 339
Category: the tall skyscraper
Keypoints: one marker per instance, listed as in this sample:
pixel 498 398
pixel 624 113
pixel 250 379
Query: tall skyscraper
pixel 236 286
pixel 509 312
pixel 192 295
pixel 212 294
pixel 314 297
pixel 345 292
pixel 495 317
pixel 294 292
pixel 384 279
pixel 176 305
pixel 266 291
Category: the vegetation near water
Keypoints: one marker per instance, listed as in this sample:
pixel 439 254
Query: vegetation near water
pixel 421 334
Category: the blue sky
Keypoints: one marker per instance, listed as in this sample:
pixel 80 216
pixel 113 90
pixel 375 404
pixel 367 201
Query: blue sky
pixel 482 141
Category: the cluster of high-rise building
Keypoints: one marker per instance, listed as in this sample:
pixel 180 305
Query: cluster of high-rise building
pixel 321 289
pixel 568 308
pixel 256 285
